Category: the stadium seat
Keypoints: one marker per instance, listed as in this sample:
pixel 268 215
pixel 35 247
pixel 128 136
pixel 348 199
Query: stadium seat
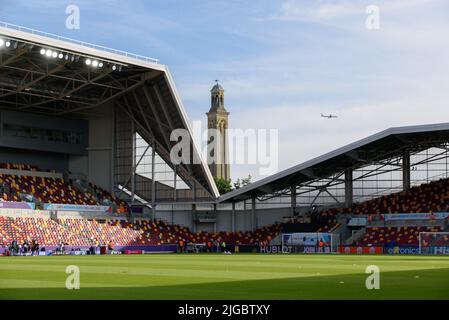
pixel 52 190
pixel 394 235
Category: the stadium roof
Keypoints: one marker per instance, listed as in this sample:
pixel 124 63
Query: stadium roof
pixel 52 75
pixel 383 145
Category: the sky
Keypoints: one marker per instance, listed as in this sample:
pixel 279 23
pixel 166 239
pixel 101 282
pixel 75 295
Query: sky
pixel 282 63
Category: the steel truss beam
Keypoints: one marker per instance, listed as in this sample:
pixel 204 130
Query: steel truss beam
pixel 33 81
pixel 326 183
pixel 72 90
pixel 148 135
pixel 20 51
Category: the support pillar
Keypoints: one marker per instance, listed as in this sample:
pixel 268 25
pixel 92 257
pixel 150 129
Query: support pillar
pixel 133 162
pixel 233 217
pixel 406 170
pixel 349 191
pixel 175 195
pixel 253 213
pixel 114 146
pixel 293 199
pixel 153 179
pixel 215 214
pixel 194 217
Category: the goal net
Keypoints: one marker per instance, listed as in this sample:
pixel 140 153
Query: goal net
pixel 434 243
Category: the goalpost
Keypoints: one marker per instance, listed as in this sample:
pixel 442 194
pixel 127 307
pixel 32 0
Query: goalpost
pixel 434 243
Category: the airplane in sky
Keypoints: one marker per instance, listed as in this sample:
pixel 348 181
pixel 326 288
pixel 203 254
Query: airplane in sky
pixel 330 116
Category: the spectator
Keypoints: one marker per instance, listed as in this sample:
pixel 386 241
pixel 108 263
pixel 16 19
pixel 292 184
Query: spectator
pixel 223 247
pixel 321 245
pixel 110 247
pixel 209 246
pixel 181 246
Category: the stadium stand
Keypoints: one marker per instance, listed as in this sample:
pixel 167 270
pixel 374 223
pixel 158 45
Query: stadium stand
pixel 260 235
pixel 76 232
pixel 431 239
pixel 433 196
pixel 159 232
pixel 82 232
pixel 394 235
pixel 423 198
pixel 18 166
pixel 14 187
pixel 44 190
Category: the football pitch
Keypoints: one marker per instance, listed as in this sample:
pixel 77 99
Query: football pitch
pixel 215 276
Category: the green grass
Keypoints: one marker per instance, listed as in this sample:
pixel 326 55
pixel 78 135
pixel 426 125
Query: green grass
pixel 213 276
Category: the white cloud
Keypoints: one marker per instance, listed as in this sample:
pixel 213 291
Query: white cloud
pixel 322 11
pixel 303 134
pixel 301 11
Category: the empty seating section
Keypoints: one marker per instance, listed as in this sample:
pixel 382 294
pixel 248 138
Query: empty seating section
pixel 45 190
pixel 18 166
pixel 51 190
pixel 121 205
pixel 394 235
pixel 82 232
pixel 433 196
pixel 85 231
pixel 158 232
pixel 429 239
pixel 76 232
pixel 260 235
pixel 329 220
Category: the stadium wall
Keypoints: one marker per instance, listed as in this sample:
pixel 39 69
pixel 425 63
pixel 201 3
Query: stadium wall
pixel 243 219
pixel 183 217
pixel 100 148
pixel 44 160
pixel 44 141
pixel 28 131
pixel 79 165
pixel 224 220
